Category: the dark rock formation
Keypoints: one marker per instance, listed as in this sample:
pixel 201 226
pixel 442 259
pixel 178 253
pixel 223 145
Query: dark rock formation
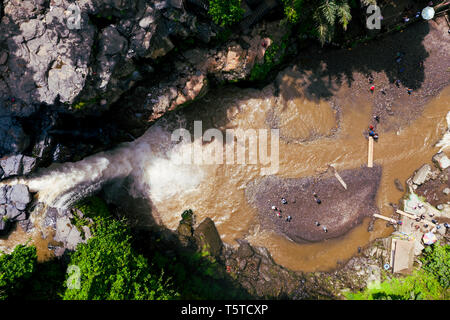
pixel 12 137
pixel 208 238
pixel 13 204
pixel 16 165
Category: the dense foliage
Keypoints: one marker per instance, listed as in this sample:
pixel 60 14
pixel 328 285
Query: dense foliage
pixel 93 207
pixel 272 58
pixel 225 12
pixel 109 268
pixel 15 269
pixel 431 282
pixel 324 16
pixel 436 261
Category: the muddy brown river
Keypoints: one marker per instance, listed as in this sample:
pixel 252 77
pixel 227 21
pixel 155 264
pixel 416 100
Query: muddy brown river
pixel 313 135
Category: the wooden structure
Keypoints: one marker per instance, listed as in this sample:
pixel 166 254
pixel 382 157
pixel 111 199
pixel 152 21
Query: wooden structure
pixel 402 256
pixel 370 153
pixel 379 216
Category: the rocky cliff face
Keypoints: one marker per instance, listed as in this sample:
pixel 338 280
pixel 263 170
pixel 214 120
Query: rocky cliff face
pixel 122 63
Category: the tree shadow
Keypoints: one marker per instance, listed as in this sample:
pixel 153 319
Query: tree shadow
pixel 193 274
pixel 326 70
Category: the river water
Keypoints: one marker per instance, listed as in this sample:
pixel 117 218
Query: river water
pixel 313 135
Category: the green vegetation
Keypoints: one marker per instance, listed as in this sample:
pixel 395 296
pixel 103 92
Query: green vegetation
pixel 429 283
pixel 15 269
pixel 319 18
pixel 225 12
pixel 90 208
pixel 93 207
pixel 273 57
pixel 82 104
pixel 110 269
pixel 195 274
pixel 436 261
pixel 292 9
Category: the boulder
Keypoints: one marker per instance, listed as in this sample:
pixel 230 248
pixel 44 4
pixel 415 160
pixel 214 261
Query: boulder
pixel 51 217
pixel 73 239
pixel 422 175
pixel 244 250
pixel 17 165
pixel 12 212
pixel 63 228
pixel 26 224
pixel 13 139
pixel 19 194
pixel 21 217
pixel 3 191
pixel 441 160
pixel 28 164
pixel 50 60
pixel 23 10
pixel 446 191
pixel 11 165
pixel 208 238
pixel 3 57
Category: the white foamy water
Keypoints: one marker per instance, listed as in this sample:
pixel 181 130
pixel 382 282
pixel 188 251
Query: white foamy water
pixel 152 162
pixel 444 143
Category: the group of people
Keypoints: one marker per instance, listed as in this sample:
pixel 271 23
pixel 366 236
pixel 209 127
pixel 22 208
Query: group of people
pixel 278 211
pixel 324 228
pixel 372 133
pixel 289 218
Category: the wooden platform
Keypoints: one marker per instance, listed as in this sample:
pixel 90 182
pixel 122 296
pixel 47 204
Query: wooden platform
pixel 370 153
pixel 402 257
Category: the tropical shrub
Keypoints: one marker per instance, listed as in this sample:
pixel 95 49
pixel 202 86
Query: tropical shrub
pixel 431 282
pixel 15 269
pixel 324 15
pixel 109 268
pixel 225 12
pixel 436 261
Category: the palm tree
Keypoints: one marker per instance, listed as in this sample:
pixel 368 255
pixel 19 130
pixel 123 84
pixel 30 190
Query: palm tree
pixel 328 14
pixel 324 14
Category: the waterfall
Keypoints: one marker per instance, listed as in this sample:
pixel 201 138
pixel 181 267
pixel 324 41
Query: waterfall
pixel 151 161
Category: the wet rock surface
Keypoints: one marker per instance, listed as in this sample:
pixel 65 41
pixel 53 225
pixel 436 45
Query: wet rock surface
pixel 17 165
pixel 55 62
pixel 435 189
pixel 13 204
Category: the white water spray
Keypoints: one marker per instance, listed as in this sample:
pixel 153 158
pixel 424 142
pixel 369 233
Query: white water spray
pixel 445 141
pixel 150 160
